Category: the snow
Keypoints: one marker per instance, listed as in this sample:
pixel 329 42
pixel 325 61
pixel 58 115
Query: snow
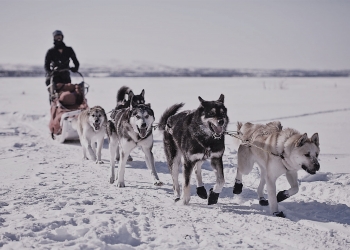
pixel 51 199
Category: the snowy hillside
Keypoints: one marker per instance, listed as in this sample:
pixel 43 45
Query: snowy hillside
pixel 51 199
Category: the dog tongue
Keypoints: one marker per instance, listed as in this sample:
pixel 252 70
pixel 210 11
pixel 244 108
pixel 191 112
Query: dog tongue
pixel 97 126
pixel 143 132
pixel 217 130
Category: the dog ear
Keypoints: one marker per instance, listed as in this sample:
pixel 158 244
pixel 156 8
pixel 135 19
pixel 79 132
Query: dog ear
pixel 130 95
pixel 315 139
pixel 143 93
pixel 221 98
pixel 300 142
pixel 200 99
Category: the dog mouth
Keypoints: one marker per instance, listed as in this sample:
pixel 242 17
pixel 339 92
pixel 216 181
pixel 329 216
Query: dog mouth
pixel 96 125
pixel 308 170
pixel 217 130
pixel 142 132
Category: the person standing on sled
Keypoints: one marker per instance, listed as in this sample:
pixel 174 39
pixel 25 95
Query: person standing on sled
pixel 58 58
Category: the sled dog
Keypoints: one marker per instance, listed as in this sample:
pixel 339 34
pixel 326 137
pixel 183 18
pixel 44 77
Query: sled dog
pixel 122 102
pixel 276 151
pixel 125 103
pixel 91 127
pixel 193 137
pixel 131 127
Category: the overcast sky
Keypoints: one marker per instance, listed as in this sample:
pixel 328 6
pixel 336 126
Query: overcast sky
pixel 220 34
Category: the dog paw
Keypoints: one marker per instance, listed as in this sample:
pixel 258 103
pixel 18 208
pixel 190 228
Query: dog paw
pixel 130 158
pixel 120 184
pixel 213 197
pixel 99 162
pixel 186 200
pixel 279 214
pixel 177 199
pixel 111 179
pixel 85 158
pixel 158 183
pixel 237 188
pixel 263 201
pixel 282 195
pixel 202 193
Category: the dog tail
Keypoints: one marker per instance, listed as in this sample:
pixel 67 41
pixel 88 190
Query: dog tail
pixel 169 112
pixel 124 90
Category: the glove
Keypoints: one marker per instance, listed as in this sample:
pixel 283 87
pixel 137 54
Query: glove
pixel 73 70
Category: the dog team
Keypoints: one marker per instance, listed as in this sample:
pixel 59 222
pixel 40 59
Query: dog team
pixel 191 137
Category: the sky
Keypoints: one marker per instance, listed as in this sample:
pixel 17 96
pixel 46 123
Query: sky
pixel 287 34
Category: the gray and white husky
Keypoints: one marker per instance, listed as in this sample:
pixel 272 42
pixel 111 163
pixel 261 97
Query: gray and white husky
pixel 131 127
pixel 276 151
pixel 91 128
pixel 193 137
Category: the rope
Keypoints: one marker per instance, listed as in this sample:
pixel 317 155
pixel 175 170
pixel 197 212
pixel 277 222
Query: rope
pixel 236 133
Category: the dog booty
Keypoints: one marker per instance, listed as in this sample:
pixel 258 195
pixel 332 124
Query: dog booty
pixel 279 214
pixel 237 188
pixel 213 197
pixel 282 195
pixel 263 201
pixel 202 193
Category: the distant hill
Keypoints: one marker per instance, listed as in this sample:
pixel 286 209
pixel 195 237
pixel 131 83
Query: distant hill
pixel 165 71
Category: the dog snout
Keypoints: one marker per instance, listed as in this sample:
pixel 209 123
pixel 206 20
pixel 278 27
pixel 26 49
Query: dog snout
pixel 143 125
pixel 221 122
pixel 97 121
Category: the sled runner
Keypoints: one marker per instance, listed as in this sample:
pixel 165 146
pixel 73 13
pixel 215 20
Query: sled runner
pixel 67 100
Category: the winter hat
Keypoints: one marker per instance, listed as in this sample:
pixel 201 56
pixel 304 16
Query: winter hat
pixel 57 32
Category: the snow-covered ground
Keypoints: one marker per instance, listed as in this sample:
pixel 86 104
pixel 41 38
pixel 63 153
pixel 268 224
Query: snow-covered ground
pixel 51 199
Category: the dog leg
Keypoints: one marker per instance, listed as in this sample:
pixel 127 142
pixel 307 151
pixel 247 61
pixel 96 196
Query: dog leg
pixel 262 200
pixel 124 153
pixel 186 187
pixel 292 177
pixel 201 192
pixel 271 190
pixel 174 170
pixel 117 153
pixel 149 158
pixel 87 144
pixel 220 180
pixel 245 165
pixel 98 150
pixel 112 150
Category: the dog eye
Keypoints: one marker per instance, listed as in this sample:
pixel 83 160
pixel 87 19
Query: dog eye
pixel 307 155
pixel 146 116
pixel 211 113
pixel 99 115
pixel 93 115
pixel 316 155
pixel 138 117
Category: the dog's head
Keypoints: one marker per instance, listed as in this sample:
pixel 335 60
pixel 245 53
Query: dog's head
pixel 305 153
pixel 214 116
pixel 97 117
pixel 141 118
pixel 137 99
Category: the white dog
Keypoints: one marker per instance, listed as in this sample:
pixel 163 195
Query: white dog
pixel 276 152
pixel 91 127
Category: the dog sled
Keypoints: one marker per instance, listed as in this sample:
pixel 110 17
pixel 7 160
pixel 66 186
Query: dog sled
pixel 67 101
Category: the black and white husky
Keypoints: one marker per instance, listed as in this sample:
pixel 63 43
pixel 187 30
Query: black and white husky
pixel 131 127
pixel 193 137
pixel 123 102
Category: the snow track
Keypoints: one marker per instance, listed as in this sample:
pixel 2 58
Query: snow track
pixel 51 199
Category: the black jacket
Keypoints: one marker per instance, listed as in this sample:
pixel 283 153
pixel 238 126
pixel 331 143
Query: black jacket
pixel 54 59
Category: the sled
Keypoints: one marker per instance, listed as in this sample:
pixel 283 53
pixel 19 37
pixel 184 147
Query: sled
pixel 67 102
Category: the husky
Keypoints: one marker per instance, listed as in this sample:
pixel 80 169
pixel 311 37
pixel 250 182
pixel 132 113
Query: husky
pixel 131 127
pixel 122 102
pixel 276 151
pixel 91 127
pixel 193 137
